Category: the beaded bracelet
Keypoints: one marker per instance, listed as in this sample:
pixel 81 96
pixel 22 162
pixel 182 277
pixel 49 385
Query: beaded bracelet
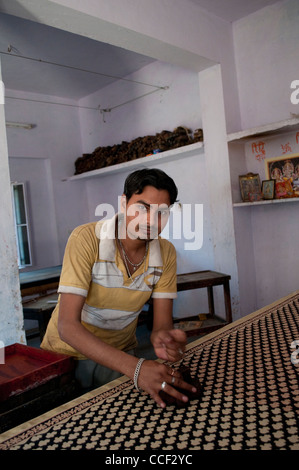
pixel 136 373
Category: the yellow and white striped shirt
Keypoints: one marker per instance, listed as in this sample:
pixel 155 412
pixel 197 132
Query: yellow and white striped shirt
pixel 92 267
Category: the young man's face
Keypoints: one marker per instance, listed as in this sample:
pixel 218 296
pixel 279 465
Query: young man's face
pixel 146 213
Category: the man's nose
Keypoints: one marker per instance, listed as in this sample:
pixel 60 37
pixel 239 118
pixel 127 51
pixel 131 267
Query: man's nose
pixel 152 217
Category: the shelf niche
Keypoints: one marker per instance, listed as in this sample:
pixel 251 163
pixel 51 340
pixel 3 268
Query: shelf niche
pixel 266 131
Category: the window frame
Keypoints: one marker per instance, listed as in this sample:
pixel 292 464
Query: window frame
pixel 20 246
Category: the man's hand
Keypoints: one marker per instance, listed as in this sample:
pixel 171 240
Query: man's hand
pixel 169 345
pixel 155 377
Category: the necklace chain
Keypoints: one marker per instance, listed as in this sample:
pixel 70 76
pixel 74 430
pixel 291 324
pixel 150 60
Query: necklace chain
pixel 126 265
pixel 135 265
pixel 126 258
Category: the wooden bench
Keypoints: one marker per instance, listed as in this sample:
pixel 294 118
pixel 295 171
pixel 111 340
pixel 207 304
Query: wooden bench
pixel 200 323
pixel 205 279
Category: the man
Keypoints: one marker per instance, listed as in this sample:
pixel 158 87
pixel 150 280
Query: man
pixel 110 270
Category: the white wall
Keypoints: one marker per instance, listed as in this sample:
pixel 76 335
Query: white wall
pixel 273 230
pixel 267 55
pixel 266 45
pixel 43 157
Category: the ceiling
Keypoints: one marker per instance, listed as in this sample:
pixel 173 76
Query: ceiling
pixel 76 57
pixel 73 66
pixel 232 10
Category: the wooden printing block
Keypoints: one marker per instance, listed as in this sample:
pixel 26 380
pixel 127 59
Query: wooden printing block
pixel 186 376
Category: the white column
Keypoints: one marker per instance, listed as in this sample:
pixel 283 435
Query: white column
pixel 11 313
pixel 218 173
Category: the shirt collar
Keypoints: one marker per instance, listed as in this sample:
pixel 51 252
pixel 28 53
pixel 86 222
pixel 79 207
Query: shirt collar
pixel 107 246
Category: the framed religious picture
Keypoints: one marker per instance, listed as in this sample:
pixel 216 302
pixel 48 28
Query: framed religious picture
pixel 268 189
pixel 250 186
pixel 285 171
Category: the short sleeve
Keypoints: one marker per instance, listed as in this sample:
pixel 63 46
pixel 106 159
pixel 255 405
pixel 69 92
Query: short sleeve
pixel 79 257
pixel 166 287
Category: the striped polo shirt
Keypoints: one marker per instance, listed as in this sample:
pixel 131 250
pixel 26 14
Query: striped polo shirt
pixel 93 268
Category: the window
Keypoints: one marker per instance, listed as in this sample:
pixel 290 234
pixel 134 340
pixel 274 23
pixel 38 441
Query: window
pixel 21 224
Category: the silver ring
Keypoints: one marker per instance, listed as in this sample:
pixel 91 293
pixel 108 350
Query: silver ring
pixel 163 385
pixel 172 380
pixel 181 352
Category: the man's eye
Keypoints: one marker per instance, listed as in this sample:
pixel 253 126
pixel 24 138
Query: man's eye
pixel 141 208
pixel 164 212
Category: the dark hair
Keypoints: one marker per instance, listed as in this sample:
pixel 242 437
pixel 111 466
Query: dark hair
pixel 136 182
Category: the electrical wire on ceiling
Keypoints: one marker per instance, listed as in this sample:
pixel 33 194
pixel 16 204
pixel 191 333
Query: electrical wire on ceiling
pixel 108 110
pixel 51 102
pixel 98 108
pixel 102 111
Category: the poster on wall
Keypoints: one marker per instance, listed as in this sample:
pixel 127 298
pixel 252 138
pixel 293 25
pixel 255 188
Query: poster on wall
pixel 250 186
pixel 285 171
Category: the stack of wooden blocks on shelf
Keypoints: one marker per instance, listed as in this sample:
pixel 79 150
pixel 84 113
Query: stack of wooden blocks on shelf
pixel 140 147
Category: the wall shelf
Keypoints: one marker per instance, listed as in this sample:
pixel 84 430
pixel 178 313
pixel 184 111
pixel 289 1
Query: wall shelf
pixel 265 202
pixel 151 160
pixel 268 130
pixel 277 128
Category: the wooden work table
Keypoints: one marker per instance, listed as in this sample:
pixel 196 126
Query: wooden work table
pixel 249 376
pixel 40 309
